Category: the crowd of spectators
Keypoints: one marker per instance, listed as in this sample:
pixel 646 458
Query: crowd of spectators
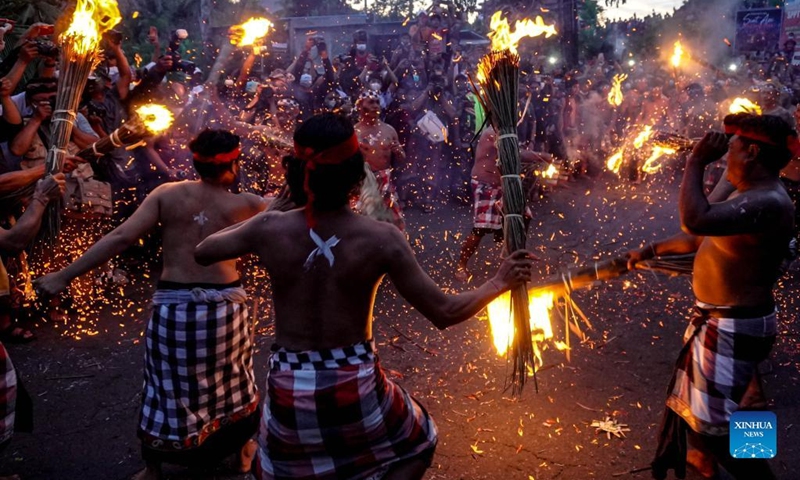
pixel 423 89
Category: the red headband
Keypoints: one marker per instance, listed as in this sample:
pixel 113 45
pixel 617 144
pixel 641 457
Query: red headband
pixel 792 142
pixel 330 156
pixel 220 158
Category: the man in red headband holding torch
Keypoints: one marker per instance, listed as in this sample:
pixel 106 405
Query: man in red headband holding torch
pixel 200 402
pixel 329 410
pixel 740 243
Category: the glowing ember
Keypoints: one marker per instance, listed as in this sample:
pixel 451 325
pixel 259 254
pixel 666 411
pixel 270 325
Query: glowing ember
pixel 156 118
pixel 677 54
pixel 504 39
pixel 90 20
pixel 253 29
pixel 502 323
pixel 744 105
pixel 651 165
pixel 615 96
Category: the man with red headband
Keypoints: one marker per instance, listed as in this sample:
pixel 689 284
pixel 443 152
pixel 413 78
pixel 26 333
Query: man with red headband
pixel 740 243
pixel 330 412
pixel 200 402
pixel 381 149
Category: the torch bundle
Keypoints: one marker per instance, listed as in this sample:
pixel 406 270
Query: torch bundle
pixel 498 77
pixel 149 120
pixel 80 53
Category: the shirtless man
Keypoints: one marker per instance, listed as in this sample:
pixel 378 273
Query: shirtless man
pixel 330 412
pixel 487 197
pixel 194 411
pixel 740 244
pixel 381 149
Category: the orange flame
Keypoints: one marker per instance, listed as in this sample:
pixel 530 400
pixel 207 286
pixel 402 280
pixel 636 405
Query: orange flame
pixel 614 162
pixel 643 136
pixel 651 165
pixel 502 323
pixel 677 54
pixel 744 105
pixel 253 30
pixel 504 39
pixel 615 96
pixel 156 118
pixel 90 20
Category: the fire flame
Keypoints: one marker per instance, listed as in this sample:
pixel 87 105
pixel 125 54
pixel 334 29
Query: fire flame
pixel 502 323
pixel 156 118
pixel 90 20
pixel 550 172
pixel 615 96
pixel 643 136
pixel 744 105
pixel 614 162
pixel 677 54
pixel 253 29
pixel 504 39
pixel 651 165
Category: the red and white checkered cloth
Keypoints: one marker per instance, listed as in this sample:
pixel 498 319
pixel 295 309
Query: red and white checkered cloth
pixel 8 395
pixel 333 414
pixel 715 366
pixel 487 203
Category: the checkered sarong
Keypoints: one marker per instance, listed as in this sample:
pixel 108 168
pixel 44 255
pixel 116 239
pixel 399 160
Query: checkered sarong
pixel 486 205
pixel 721 354
pixel 390 198
pixel 333 414
pixel 198 366
pixel 8 395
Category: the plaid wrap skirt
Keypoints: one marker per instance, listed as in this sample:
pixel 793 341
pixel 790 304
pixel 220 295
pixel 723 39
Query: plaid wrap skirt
pixel 198 372
pixel 333 414
pixel 8 396
pixel 721 353
pixel 390 198
pixel 487 204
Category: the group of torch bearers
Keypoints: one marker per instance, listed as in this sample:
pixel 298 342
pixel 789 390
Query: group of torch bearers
pixel 329 410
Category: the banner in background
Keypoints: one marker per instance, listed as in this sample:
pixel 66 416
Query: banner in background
pixel 758 30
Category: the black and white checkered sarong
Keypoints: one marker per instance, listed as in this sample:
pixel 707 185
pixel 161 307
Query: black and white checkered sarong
pixel 198 365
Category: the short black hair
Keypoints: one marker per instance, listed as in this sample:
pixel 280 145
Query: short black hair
pixel 332 185
pixel 777 130
pixel 208 143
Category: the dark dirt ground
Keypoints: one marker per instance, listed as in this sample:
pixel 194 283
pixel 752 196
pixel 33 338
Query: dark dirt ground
pixel 86 391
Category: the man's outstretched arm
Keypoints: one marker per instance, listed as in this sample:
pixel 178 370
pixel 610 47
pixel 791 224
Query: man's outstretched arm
pixel 446 310
pixel 228 243
pixel 111 245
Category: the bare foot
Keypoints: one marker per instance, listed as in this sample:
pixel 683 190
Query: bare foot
pixel 246 456
pixel 702 464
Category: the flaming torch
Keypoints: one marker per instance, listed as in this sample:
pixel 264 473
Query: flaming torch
pixel 80 53
pixel 744 105
pixel 615 96
pixel 251 31
pixel 677 55
pixel 150 119
pixel 498 78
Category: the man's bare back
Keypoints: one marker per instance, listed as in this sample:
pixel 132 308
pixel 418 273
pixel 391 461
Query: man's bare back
pixel 190 211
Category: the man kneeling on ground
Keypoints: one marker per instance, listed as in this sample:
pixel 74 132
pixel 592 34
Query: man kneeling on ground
pixel 330 412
